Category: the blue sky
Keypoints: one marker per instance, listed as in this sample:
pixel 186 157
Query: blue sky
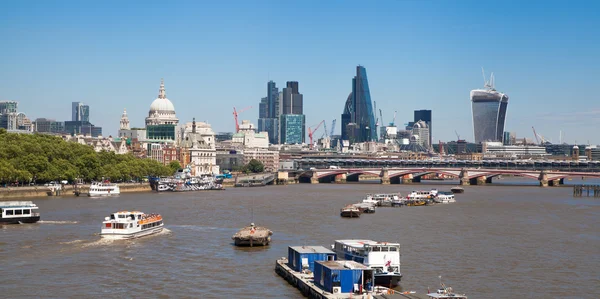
pixel 215 55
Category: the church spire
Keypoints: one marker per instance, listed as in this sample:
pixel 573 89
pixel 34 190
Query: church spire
pixel 124 121
pixel 194 126
pixel 162 94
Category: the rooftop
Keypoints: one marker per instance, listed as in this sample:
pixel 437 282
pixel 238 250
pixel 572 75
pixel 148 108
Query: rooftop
pixel 340 265
pixel 361 243
pixel 311 249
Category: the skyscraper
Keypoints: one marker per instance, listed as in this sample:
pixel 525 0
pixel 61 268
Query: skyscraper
pixel 424 115
pixel 80 112
pixel 360 109
pixel 292 120
pixel 489 112
pixel 268 115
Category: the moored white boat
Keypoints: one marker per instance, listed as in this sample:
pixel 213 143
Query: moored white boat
pixel 129 225
pixel 104 189
pixel 422 194
pixel 444 197
pixel 383 257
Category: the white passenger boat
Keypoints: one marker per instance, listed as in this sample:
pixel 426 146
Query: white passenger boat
pixel 444 197
pixel 382 257
pixel 14 212
pixel 103 189
pixel 382 199
pixel 128 225
pixel 422 194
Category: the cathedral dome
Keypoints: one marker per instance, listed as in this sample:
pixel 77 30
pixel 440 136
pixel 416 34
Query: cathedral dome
pixel 162 105
pixel 162 111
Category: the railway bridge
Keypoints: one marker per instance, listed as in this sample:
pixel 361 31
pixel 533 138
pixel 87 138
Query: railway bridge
pixel 467 176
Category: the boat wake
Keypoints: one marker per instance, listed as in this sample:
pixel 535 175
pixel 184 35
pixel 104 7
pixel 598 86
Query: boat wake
pixel 202 228
pixel 56 222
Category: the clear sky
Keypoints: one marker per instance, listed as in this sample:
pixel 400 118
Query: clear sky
pixel 215 55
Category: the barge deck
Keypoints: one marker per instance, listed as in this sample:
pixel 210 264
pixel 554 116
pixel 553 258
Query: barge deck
pixel 305 283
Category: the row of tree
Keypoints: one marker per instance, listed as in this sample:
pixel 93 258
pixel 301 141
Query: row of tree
pixel 42 158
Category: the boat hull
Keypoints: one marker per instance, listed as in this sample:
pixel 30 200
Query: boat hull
pixel 133 235
pixel 457 190
pixel 18 220
pixel 350 214
pixel 388 279
pixel 251 242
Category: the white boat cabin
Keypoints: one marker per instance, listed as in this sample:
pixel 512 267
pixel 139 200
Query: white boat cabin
pixel 381 256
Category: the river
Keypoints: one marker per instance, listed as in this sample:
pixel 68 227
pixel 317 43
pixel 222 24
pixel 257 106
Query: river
pixel 495 242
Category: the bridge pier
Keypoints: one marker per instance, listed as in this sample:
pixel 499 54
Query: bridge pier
pixel 464 178
pixel 385 177
pixel 543 178
pixel 340 178
pixel 488 180
pixel 314 179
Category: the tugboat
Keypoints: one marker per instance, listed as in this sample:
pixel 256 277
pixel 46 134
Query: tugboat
pixel 252 236
pixel 14 212
pixel 129 225
pixel 350 212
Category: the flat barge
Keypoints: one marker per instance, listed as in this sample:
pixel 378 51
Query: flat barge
pixel 305 284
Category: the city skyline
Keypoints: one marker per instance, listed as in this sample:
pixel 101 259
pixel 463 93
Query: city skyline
pixel 110 60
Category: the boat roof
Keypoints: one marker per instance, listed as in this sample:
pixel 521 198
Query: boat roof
pixel 311 249
pixel 446 296
pixel 362 243
pixel 340 265
pixel 14 204
pixel 129 212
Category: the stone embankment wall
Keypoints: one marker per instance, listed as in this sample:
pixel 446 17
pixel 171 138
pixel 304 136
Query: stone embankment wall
pixel 42 191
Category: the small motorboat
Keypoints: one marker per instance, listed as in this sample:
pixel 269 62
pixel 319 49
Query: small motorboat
pixel 350 212
pixel 457 189
pixel 252 236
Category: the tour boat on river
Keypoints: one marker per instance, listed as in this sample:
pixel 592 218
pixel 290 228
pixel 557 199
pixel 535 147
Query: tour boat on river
pixel 129 225
pixel 14 212
pixel 104 189
pixel 382 257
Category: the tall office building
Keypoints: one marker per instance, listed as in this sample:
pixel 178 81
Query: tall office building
pixel 8 107
pixel 424 115
pixel 292 99
pixel 268 115
pixel 361 125
pixel 292 128
pixel 489 112
pixel 80 112
pixel 292 120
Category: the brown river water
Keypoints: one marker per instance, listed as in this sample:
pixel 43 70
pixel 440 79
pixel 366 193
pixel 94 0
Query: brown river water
pixel 495 242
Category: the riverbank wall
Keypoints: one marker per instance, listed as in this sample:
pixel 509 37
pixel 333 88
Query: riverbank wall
pixel 67 190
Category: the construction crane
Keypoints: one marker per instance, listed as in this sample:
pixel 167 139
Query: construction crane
pixel 541 140
pixel 394 119
pixel 312 131
pixel 457 136
pixel 332 127
pixel 235 117
pixel 380 115
pixel 324 130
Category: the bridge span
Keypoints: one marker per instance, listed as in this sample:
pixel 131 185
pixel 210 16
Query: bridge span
pixel 467 176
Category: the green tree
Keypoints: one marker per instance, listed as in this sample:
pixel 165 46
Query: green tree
pixel 255 166
pixel 174 165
